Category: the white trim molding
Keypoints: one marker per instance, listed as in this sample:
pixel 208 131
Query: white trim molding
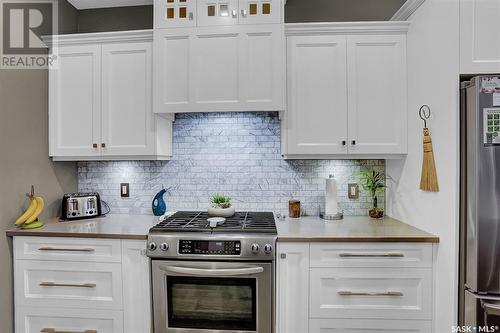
pixel 347 28
pixel 99 37
pixel 406 10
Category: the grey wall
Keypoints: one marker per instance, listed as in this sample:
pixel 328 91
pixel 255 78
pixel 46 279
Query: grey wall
pixel 24 159
pixel 340 10
pixel 115 19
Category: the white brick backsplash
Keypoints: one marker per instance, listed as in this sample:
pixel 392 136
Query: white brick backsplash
pixel 236 154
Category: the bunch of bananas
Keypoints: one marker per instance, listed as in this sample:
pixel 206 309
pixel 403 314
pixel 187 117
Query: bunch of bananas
pixel 29 219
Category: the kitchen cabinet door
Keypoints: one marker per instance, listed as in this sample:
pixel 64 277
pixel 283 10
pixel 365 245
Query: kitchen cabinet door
pixel 174 13
pixel 136 286
pixel 292 288
pixel 479 39
pixel 217 12
pixel 260 11
pixel 316 121
pixel 75 101
pixel 377 86
pixel 214 69
pixel 262 67
pixel 127 116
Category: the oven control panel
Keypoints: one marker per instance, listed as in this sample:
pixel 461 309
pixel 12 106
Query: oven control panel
pixel 213 247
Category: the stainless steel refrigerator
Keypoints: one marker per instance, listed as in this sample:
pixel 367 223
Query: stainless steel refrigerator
pixel 479 294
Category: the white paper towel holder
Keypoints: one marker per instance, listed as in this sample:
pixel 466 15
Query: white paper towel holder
pixel 338 216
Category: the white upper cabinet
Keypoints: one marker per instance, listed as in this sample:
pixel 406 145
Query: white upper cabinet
pixel 127 117
pixel 317 95
pixel 101 99
pixel 479 37
pixel 260 11
pixel 220 68
pixel 75 88
pixel 174 13
pixel 217 12
pixel 377 94
pixel 347 90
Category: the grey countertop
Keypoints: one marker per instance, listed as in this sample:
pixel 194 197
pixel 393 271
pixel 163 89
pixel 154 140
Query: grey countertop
pixel 350 229
pixel 304 229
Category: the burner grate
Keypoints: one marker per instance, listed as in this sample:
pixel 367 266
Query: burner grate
pixel 258 222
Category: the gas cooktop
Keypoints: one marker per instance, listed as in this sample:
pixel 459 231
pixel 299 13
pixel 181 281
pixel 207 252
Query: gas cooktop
pixel 242 222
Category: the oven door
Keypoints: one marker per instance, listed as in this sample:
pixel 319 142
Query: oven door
pixel 230 297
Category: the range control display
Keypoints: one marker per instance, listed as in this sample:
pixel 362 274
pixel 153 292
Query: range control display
pixel 209 247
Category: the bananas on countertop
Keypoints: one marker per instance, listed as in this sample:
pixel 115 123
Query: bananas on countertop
pixel 29 219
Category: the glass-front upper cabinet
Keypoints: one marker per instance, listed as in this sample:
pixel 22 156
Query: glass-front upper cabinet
pixel 175 13
pixel 260 11
pixel 217 12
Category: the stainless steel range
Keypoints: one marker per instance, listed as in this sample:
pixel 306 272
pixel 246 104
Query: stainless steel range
pixel 213 276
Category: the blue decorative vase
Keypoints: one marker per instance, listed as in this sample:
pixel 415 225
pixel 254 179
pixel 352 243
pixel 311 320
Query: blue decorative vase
pixel 159 206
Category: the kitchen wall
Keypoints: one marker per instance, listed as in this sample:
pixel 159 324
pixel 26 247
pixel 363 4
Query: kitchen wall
pixel 24 158
pixel 115 19
pixel 433 77
pixel 237 154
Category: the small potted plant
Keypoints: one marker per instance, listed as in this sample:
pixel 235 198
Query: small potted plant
pixel 220 206
pixel 374 183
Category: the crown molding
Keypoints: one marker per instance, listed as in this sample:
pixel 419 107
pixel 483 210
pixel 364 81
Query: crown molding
pixel 355 28
pixel 99 37
pixel 406 10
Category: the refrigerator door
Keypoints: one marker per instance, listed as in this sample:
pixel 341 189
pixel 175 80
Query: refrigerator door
pixel 482 311
pixel 483 187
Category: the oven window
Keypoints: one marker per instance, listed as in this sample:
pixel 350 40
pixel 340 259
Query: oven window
pixel 212 303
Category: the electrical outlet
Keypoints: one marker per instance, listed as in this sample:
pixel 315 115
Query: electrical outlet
pixel 353 191
pixel 124 190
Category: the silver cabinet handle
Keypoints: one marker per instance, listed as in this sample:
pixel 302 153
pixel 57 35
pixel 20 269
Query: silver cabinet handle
pixel 234 13
pixel 190 16
pixel 212 272
pixel 244 12
pixel 75 285
pixel 48 248
pixel 371 255
pixel 370 293
pixel 53 330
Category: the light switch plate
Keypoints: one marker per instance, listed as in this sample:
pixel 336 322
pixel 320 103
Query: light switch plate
pixel 124 190
pixel 353 191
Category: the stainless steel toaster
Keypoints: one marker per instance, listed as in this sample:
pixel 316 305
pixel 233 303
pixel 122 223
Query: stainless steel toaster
pixel 80 205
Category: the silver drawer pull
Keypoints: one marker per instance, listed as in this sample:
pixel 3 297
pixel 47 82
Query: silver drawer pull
pixel 371 255
pixel 48 248
pixel 53 330
pixel 370 293
pixel 76 285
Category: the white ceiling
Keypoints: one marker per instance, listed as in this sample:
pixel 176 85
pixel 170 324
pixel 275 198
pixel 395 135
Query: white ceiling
pixel 88 4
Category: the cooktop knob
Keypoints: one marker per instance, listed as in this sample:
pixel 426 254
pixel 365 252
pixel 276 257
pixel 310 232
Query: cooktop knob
pixel 268 248
pixel 255 248
pixel 152 246
pixel 164 246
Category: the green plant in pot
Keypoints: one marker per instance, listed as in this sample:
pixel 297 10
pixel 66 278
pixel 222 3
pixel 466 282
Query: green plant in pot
pixel 220 205
pixel 374 183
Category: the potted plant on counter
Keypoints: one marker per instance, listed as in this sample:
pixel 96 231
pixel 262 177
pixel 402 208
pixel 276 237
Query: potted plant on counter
pixel 374 183
pixel 220 206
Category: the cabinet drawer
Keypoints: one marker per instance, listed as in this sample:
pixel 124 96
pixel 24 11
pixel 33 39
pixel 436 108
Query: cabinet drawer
pixel 378 293
pixel 371 255
pixel 67 284
pixel 368 326
pixel 67 249
pixel 55 320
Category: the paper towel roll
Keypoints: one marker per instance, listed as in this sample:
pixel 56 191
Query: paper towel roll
pixel 331 196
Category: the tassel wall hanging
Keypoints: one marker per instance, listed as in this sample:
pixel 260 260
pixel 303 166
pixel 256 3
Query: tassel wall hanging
pixel 428 179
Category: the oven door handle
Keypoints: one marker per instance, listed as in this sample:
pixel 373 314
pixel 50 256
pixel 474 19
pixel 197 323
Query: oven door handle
pixel 212 272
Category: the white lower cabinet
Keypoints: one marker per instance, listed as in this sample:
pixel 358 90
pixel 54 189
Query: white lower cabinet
pixel 354 287
pixel 47 320
pixel 368 326
pixel 81 285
